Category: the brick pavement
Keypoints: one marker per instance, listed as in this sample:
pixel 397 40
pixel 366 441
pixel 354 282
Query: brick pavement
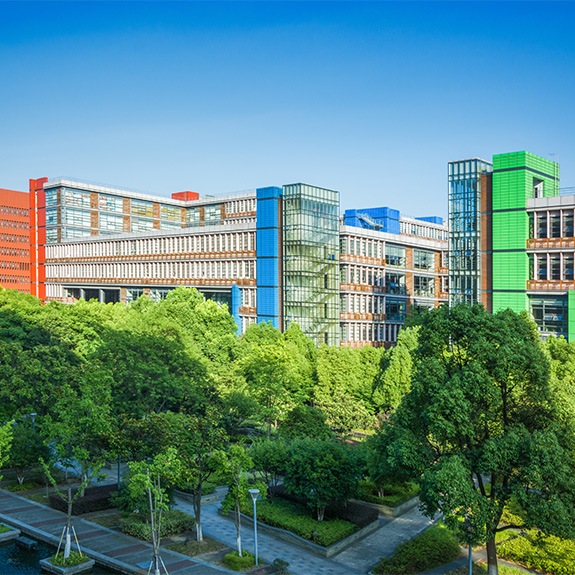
pixel 109 548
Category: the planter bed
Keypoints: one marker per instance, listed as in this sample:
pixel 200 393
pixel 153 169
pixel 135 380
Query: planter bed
pixel 302 543
pixel 47 565
pixel 11 533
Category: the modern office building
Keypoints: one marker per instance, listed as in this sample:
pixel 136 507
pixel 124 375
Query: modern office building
pixel 524 231
pixel 277 254
pixel 14 240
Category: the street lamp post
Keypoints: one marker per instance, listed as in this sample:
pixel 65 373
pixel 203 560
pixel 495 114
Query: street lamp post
pixel 254 493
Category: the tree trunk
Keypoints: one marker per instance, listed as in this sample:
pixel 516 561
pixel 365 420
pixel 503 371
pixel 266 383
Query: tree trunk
pixel 68 538
pixel 239 529
pixel 197 513
pixel 320 512
pixel 492 568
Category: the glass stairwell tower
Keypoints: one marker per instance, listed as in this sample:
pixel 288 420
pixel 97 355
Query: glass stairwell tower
pixel 469 231
pixel 311 261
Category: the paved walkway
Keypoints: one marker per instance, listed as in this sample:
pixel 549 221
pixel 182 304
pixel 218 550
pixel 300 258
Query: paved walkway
pixel 357 559
pixel 110 548
pixel 132 556
pixel 364 554
pixel 301 562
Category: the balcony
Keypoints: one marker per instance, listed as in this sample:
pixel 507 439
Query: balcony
pixel 550 285
pixel 550 243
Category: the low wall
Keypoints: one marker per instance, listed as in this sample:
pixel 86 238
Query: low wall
pixel 392 511
pixel 302 543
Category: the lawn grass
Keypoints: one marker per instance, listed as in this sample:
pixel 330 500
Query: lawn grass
pixel 193 547
pixel 37 496
pixel 480 568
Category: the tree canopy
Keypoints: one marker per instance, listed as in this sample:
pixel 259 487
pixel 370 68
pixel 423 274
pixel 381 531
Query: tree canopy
pixel 479 426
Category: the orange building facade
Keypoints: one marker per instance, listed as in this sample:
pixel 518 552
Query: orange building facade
pixel 15 240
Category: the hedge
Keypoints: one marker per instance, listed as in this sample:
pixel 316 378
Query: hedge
pixel 237 563
pixel 357 513
pixel 549 554
pixel 173 521
pixel 95 499
pixel 297 519
pixel 435 546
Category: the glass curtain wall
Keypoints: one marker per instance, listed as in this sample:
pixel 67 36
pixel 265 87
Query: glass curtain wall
pixel 311 261
pixel 465 229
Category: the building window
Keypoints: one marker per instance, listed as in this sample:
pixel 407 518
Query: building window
pixel 423 286
pixel 395 255
pixel 423 260
pixel 394 283
pixel 395 309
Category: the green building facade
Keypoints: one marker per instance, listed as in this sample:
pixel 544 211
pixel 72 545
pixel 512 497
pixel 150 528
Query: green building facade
pixel 517 178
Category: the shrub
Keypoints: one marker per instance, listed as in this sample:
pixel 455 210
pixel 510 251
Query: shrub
pixel 237 563
pixel 4 529
pixel 173 521
pixel 395 493
pixel 435 546
pixel 27 486
pixel 75 558
pixel 297 519
pixel 535 551
pixel 95 499
pixel 280 566
pixel 355 512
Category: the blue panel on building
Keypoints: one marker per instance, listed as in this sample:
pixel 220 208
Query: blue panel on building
pixel 431 219
pixel 383 219
pixel 267 271
pixel 267 213
pixel 268 192
pixel 267 302
pixel 267 253
pixel 236 303
pixel 267 242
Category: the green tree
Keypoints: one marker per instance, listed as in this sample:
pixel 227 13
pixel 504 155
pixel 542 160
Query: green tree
pixel 480 426
pixel 5 443
pixel 305 421
pixel 197 439
pixel 152 374
pixel 344 388
pixel 148 479
pixel 81 425
pixel 273 373
pixel 27 449
pixel 270 458
pixel 321 472
pixel 396 370
pixel 233 464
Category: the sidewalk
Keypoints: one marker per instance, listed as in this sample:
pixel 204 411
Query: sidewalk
pixel 109 548
pixel 357 559
pixel 301 562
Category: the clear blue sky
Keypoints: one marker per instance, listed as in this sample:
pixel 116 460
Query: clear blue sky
pixel 368 98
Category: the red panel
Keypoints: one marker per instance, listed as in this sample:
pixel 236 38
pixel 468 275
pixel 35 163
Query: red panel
pixel 186 196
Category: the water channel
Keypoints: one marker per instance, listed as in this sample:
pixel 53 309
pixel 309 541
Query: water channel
pixel 17 561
